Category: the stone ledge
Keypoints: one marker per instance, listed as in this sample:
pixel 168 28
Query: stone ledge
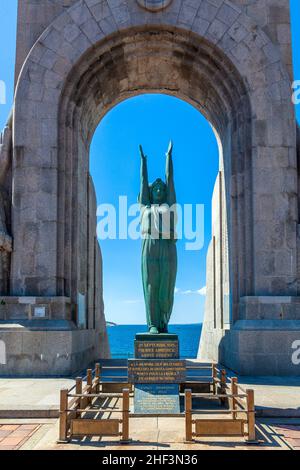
pixel 35 413
pixel 285 325
pixel 262 308
pixel 267 299
pixel 21 308
pixel 37 325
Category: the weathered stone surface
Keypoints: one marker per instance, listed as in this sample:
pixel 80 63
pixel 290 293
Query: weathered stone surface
pixel 59 351
pixel 231 59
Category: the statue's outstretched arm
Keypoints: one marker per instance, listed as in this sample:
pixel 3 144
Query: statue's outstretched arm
pixel 144 191
pixel 171 194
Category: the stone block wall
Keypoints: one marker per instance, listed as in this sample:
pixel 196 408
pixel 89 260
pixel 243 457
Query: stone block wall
pixel 60 350
pixel 273 16
pixel 60 294
pixel 34 16
pixel 231 60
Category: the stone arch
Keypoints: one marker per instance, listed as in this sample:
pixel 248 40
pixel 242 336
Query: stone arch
pixel 82 26
pixel 131 71
pixel 222 63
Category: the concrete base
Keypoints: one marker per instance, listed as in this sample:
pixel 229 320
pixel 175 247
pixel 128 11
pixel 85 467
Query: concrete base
pixel 58 348
pixel 256 347
pixel 262 347
pixel 264 341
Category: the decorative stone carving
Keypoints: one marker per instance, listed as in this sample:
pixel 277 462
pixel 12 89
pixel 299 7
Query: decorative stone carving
pixel 154 5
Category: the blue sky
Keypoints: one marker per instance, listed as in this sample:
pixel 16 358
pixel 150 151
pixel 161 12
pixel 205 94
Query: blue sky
pixel 151 120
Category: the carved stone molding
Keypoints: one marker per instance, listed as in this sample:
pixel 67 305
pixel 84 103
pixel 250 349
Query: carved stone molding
pixel 154 5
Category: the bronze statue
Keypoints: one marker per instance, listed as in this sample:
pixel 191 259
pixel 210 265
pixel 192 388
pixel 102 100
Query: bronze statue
pixel 159 253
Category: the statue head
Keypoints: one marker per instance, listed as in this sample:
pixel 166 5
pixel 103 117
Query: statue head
pixel 158 192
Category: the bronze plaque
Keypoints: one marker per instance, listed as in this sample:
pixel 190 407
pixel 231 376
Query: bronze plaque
pixel 156 349
pixel 156 371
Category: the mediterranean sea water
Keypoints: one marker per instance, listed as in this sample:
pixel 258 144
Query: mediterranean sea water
pixel 121 339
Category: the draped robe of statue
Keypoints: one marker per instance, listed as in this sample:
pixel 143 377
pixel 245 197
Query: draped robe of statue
pixel 159 253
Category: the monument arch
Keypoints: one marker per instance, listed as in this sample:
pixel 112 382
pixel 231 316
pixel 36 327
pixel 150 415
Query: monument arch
pixel 94 54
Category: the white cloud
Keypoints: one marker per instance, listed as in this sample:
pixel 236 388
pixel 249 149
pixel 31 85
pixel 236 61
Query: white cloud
pixel 201 291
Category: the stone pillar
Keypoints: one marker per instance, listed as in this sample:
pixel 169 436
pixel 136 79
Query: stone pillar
pixel 5 237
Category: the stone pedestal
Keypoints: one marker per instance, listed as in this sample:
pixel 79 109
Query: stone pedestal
pixel 28 350
pixel 263 341
pixel 156 373
pixel 39 339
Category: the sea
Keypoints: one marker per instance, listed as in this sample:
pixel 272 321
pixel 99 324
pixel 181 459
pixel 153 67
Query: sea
pixel 121 339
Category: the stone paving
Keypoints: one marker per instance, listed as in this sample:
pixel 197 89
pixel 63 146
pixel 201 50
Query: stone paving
pixel 274 396
pixel 14 436
pixel 37 401
pixel 162 434
pixel 291 434
pixel 21 398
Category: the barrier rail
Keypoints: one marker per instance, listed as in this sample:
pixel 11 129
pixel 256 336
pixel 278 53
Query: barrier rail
pixel 83 407
pixel 241 410
pixel 206 382
pixel 79 402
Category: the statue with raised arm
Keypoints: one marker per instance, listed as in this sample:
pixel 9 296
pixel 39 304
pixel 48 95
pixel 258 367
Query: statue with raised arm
pixel 159 253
